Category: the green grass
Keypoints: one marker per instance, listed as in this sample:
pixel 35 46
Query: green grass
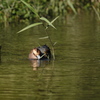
pixel 15 11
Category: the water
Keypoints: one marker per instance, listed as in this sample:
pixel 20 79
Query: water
pixel 75 73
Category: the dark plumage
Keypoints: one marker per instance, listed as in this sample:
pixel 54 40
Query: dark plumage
pixel 42 52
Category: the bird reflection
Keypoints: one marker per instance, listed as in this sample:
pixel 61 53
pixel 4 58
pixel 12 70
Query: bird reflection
pixel 37 63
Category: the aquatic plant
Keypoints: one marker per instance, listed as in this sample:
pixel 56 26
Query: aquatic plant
pixel 71 5
pixel 0 53
pixel 15 11
pixel 41 23
pixel 97 12
pixel 6 10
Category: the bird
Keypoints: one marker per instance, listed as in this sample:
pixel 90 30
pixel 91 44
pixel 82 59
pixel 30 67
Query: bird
pixel 40 53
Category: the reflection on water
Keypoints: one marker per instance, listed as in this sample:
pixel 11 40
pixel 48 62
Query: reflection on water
pixel 38 63
pixel 74 75
pixel 35 64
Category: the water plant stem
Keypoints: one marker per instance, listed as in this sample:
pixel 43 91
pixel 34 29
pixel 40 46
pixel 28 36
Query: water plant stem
pixel 53 51
pixel 97 13
pixel 0 53
pixel 42 21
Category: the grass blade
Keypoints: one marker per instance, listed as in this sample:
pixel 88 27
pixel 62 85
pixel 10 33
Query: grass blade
pixel 97 13
pixel 47 21
pixel 31 8
pixel 44 37
pixel 71 5
pixel 54 19
pixel 32 25
pixel 55 43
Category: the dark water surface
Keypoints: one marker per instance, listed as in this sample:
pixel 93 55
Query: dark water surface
pixel 74 75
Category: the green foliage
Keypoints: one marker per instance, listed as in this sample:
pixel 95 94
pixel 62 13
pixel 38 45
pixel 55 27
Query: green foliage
pixel 41 18
pixel 30 26
pixel 97 13
pixel 33 10
pixel 71 5
pixel 50 23
pixel 47 21
pixel 15 11
pixel 35 24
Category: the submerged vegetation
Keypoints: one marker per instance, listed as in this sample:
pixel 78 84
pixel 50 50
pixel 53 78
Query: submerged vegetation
pixel 15 11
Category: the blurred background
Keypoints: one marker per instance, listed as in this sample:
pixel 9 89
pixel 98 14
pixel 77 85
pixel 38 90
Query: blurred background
pixel 15 11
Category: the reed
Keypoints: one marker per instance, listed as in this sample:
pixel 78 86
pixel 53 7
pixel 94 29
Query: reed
pixel 71 6
pixel 0 53
pixel 42 20
pixel 97 13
